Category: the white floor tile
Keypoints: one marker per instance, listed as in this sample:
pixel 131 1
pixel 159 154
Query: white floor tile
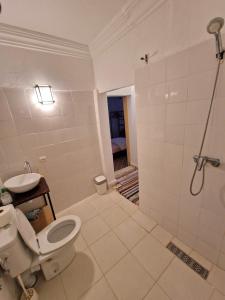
pixel 80 243
pixel 114 216
pixel 217 278
pixel 116 197
pixel 180 282
pixel 108 250
pixel 80 275
pixel 128 206
pixel 130 233
pixel 83 210
pixel 161 235
pixel 94 229
pixel 51 289
pixel 129 276
pixel 146 222
pixel 217 296
pixel 156 293
pixel 129 280
pixel 152 255
pixel 103 202
pixel 100 291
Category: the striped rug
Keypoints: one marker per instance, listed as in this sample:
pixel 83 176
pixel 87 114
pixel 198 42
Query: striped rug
pixel 128 186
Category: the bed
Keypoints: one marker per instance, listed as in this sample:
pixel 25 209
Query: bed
pixel 118 144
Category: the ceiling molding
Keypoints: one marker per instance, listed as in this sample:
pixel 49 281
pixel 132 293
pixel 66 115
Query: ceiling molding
pixel 130 15
pixel 33 40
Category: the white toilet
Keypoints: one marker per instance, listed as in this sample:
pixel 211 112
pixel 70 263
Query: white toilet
pixel 52 249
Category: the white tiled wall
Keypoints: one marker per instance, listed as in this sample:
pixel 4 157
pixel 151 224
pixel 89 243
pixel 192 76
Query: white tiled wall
pixel 172 103
pixel 64 132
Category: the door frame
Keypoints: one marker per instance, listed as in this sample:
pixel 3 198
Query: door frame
pixel 103 128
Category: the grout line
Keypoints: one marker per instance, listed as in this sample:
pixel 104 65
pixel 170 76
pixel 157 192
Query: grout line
pixel 157 281
pixel 102 272
pixel 134 244
pixel 156 284
pixel 128 252
pixel 111 288
pixel 64 289
pixel 143 226
pixel 134 258
pixel 213 290
pixel 112 229
pixel 108 283
pixel 105 272
pixel 149 290
pixel 89 245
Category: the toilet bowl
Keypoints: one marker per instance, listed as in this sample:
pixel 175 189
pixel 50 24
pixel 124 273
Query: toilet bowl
pixel 51 250
pixel 53 245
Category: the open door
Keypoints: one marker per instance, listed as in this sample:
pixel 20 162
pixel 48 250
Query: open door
pixel 126 123
pixel 118 132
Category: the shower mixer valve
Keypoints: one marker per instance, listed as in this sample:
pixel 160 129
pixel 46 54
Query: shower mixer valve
pixel 202 160
pixel 214 27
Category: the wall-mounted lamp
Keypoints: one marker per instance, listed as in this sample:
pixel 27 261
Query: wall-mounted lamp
pixel 44 94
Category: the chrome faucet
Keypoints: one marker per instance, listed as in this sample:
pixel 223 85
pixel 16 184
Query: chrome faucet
pixel 27 167
pixel 202 160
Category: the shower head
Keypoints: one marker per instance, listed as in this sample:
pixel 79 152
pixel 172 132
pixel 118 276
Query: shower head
pixel 214 27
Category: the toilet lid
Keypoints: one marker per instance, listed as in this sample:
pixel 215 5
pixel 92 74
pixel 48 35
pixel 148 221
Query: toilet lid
pixel 26 231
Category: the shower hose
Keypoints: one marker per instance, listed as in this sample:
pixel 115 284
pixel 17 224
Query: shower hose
pixel 204 162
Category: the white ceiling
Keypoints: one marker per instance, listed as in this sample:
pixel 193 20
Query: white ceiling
pixel 77 20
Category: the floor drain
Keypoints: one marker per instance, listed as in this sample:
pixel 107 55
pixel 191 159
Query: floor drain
pixel 189 261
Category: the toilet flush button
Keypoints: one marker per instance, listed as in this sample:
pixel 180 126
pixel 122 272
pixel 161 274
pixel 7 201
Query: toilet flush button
pixel 56 267
pixel 43 158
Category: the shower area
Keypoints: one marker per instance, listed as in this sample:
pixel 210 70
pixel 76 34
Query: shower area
pixel 181 119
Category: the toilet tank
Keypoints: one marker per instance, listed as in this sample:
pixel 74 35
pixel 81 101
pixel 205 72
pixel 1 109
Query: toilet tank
pixel 15 256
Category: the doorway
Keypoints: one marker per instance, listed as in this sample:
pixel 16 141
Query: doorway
pixel 104 131
pixel 117 120
pixel 116 126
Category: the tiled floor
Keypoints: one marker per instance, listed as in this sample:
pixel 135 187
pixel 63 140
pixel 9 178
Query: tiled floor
pixel 121 255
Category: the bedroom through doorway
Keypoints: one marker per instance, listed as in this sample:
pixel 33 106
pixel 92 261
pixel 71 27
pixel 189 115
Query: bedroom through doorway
pixel 122 123
pixel 116 107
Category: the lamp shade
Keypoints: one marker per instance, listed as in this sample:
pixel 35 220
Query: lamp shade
pixel 44 94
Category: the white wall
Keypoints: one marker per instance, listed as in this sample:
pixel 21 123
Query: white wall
pixel 102 116
pixel 65 132
pixel 174 25
pixel 170 125
pixel 173 97
pixel 23 68
pixel 132 128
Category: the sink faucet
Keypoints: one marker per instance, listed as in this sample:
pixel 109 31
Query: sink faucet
pixel 27 167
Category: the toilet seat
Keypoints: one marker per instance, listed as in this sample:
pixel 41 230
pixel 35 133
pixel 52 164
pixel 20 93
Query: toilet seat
pixel 53 237
pixel 62 231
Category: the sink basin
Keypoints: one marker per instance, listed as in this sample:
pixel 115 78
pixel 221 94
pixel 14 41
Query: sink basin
pixel 22 183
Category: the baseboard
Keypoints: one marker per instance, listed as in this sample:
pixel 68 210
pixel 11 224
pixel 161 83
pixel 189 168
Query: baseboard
pixel 133 165
pixel 112 183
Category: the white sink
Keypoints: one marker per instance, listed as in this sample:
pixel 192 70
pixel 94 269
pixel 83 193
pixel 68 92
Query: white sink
pixel 22 183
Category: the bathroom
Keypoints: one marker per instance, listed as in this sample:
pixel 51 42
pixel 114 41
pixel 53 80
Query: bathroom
pixel 171 245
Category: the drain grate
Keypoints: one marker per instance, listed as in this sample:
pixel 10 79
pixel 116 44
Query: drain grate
pixel 189 261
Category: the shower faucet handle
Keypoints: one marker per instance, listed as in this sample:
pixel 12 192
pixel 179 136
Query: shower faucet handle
pixel 215 162
pixel 201 160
